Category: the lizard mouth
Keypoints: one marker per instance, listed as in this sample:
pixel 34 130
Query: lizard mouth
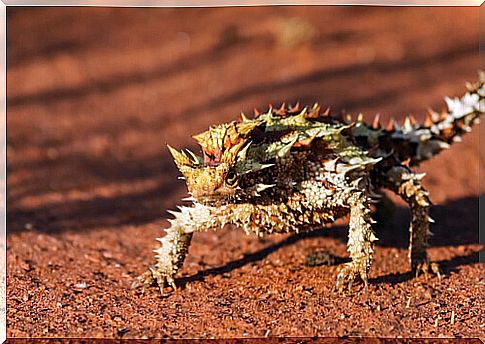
pixel 219 196
pixel 215 200
pixel 207 200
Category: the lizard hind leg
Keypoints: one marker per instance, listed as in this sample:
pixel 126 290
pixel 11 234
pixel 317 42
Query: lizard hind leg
pixel 407 185
pixel 360 243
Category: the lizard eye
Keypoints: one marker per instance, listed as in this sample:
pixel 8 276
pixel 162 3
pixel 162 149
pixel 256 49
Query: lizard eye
pixel 231 178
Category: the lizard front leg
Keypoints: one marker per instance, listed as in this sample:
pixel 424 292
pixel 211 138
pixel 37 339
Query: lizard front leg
pixel 407 185
pixel 175 246
pixel 361 240
pixel 169 259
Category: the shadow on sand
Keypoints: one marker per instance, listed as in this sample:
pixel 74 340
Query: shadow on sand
pixel 391 233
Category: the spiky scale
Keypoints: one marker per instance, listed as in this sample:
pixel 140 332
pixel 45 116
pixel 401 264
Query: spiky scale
pixel 391 125
pixel 375 123
pixel 281 111
pixel 428 122
pixel 412 120
pixel 295 108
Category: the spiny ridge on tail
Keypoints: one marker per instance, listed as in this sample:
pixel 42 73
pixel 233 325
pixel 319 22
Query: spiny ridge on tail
pixel 439 130
pixel 412 141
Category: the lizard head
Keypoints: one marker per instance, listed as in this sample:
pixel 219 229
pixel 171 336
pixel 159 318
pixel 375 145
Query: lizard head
pixel 214 178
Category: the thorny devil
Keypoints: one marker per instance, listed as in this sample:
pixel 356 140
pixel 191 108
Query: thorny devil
pixel 293 169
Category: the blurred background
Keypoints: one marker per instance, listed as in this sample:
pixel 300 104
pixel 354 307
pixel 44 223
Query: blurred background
pixel 94 94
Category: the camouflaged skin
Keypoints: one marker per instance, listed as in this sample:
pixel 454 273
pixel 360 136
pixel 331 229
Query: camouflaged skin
pixel 294 169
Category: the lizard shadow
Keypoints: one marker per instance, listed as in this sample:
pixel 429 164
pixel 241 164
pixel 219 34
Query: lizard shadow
pixel 458 213
pixel 254 257
pixel 446 267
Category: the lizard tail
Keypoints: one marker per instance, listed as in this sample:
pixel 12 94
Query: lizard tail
pixel 439 130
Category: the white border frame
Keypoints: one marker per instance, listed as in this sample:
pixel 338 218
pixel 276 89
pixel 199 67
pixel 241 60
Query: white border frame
pixel 169 3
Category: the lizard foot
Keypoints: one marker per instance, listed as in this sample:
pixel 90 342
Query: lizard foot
pixel 157 277
pixel 349 273
pixel 426 268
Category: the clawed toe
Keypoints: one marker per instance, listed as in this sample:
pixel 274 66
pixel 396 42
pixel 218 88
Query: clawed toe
pixel 427 268
pixel 143 281
pixel 154 277
pixel 348 275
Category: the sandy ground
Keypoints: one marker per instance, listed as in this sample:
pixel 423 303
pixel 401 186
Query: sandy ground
pixel 95 93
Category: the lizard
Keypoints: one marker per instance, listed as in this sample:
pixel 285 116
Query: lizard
pixel 297 168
